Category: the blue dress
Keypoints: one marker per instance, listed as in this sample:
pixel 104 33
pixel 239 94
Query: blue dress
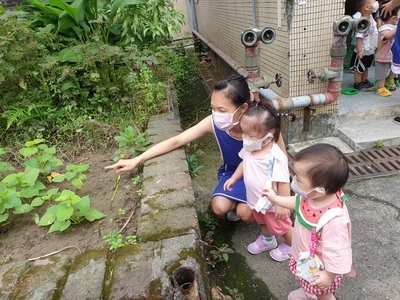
pixel 229 148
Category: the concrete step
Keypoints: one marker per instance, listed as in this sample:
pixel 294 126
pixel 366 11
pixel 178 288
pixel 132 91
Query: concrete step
pixel 335 141
pixel 365 133
pixel 370 132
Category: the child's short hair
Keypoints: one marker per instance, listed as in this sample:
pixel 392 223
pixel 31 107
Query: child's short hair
pixel 360 4
pixel 264 114
pixel 388 15
pixel 327 166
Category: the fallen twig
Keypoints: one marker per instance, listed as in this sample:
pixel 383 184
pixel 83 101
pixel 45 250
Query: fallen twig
pixel 127 221
pixel 55 252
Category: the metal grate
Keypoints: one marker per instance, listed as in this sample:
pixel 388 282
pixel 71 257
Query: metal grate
pixel 370 163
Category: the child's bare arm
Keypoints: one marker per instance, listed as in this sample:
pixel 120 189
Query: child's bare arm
pixel 234 178
pixel 360 52
pixel 283 190
pixel 389 34
pixel 286 202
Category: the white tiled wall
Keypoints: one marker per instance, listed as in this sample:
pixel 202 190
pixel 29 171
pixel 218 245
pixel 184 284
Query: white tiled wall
pixel 304 37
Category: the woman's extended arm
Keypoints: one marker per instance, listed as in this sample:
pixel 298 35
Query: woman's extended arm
pixel 189 135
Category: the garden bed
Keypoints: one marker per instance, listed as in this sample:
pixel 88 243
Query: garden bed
pixel 22 239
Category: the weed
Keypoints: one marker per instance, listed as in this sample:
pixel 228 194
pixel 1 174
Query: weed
pixel 139 192
pixel 210 222
pixel 236 295
pixel 219 255
pixel 116 240
pixel 137 180
pixel 378 144
pixel 194 168
pixel 130 142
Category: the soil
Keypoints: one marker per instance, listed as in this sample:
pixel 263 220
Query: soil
pixel 22 239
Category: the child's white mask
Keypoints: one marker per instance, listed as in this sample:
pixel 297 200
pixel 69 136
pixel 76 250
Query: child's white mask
pixel 375 6
pixel 309 195
pixel 224 121
pixel 251 146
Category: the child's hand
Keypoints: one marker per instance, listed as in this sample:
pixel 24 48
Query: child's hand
pixel 281 213
pixel 360 54
pixel 229 184
pixel 323 279
pixel 269 193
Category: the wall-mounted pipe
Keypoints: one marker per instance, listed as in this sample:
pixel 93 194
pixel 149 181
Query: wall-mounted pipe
pixel 253 2
pixel 334 73
pixel 338 52
pixel 241 70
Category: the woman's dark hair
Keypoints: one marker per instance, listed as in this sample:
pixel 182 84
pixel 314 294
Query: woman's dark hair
pixel 265 114
pixel 327 166
pixel 235 88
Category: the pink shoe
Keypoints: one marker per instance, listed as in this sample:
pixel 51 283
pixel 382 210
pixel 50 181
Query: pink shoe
pixel 301 294
pixel 261 245
pixel 281 253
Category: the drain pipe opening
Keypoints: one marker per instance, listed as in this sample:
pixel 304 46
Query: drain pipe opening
pixel 185 281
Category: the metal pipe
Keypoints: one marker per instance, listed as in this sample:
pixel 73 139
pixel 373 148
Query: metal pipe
pixel 338 52
pixel 186 282
pixel 241 70
pixel 254 13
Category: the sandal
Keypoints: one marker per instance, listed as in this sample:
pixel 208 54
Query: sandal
pixel 383 92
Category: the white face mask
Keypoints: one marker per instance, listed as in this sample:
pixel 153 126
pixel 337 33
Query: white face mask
pixel 375 7
pixel 251 146
pixel 309 195
pixel 224 121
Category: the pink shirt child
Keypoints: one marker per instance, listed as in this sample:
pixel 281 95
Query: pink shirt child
pixel 383 53
pixel 255 172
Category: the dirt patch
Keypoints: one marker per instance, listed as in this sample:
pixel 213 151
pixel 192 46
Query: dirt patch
pixel 23 239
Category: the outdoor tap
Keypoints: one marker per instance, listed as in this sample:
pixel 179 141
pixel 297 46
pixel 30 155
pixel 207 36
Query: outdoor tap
pixel 263 83
pixel 324 74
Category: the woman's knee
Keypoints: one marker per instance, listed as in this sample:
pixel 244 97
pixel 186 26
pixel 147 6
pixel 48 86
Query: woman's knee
pixel 244 212
pixel 221 205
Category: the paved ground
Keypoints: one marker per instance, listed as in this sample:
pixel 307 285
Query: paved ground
pixel 375 215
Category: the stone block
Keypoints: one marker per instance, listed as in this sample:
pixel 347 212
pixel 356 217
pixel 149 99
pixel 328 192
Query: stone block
pixel 9 276
pixel 163 184
pixel 168 201
pixel 170 163
pixel 169 254
pixel 43 279
pixel 85 279
pixel 162 127
pixel 166 224
pixel 132 274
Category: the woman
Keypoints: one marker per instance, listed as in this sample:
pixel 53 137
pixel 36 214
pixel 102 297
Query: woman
pixel 229 100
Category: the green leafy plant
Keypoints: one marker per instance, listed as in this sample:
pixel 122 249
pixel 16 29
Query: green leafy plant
pixel 236 295
pixel 220 254
pixel 116 240
pixel 71 209
pixel 22 192
pixel 194 167
pixel 115 22
pixel 378 144
pixel 209 222
pixel 130 142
